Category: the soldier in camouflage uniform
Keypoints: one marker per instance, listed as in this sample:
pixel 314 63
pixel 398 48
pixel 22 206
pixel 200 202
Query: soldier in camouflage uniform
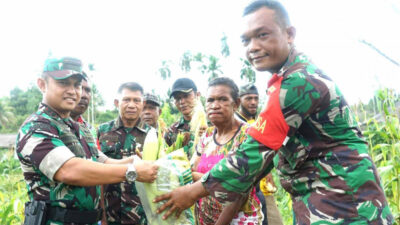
pixel 248 103
pixel 185 95
pixel 151 113
pixel 59 158
pixel 119 139
pixel 80 109
pixel 321 156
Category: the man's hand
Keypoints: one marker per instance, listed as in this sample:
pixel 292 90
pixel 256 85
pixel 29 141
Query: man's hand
pixel 181 198
pixel 197 176
pixel 146 171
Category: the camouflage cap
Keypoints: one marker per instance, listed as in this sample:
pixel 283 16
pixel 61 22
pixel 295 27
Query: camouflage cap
pixel 246 89
pixel 62 68
pixel 152 98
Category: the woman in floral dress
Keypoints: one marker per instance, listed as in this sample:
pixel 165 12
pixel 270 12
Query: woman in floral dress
pixel 226 134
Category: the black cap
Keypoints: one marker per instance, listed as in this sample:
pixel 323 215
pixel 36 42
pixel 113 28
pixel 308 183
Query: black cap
pixel 248 89
pixel 184 85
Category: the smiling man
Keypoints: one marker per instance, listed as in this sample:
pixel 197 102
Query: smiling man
pixel 59 158
pixel 306 130
pixel 119 139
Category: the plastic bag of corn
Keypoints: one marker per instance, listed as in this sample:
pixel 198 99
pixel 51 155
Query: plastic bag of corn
pixel 174 171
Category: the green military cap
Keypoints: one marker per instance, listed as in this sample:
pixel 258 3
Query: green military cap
pixel 246 89
pixel 62 68
pixel 152 98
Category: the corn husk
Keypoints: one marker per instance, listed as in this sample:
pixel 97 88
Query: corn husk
pixel 151 146
pixel 177 145
pixel 197 123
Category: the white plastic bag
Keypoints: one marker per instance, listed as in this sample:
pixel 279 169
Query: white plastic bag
pixel 174 171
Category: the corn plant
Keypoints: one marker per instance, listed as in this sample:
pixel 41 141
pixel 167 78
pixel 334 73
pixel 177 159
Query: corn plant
pixel 12 189
pixel 383 135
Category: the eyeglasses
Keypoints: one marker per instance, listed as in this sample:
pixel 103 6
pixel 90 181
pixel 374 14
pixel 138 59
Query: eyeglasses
pixel 182 96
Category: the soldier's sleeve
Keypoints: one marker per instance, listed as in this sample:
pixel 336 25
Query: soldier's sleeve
pixel 40 145
pixel 234 175
pixel 289 104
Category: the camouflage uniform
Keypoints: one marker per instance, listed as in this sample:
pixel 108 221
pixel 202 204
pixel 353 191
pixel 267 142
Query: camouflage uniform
pixel 121 201
pixel 44 143
pixel 181 126
pixel 87 125
pixel 322 157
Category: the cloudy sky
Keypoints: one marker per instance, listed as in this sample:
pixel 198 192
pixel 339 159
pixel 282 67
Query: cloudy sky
pixel 127 40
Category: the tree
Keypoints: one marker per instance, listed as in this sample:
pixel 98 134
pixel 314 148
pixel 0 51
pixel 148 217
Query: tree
pixel 224 46
pixel 212 68
pixel 185 62
pixel 165 71
pixel 5 114
pixel 208 64
pixel 247 71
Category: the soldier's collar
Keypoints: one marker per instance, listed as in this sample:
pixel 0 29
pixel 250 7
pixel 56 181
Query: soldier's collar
pixel 294 57
pixel 183 121
pixel 140 125
pixel 117 124
pixel 44 108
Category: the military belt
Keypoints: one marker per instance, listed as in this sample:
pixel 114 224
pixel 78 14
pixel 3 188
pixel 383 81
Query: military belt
pixel 73 216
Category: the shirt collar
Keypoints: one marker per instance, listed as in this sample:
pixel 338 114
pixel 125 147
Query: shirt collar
pixel 295 60
pixel 140 125
pixel 182 122
pixel 44 108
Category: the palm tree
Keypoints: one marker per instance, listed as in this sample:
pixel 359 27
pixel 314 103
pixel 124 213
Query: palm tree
pixel 5 114
pixel 247 71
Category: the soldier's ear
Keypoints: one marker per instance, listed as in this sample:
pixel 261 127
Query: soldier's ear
pixel 116 103
pixel 41 83
pixel 291 34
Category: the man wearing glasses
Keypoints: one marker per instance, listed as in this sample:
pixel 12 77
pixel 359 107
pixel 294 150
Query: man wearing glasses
pixel 184 92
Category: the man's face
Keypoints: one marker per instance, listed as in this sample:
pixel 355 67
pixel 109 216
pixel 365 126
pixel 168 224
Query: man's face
pixel 129 104
pixel 150 114
pixel 185 102
pixel 85 99
pixel 249 104
pixel 220 106
pixel 267 44
pixel 61 95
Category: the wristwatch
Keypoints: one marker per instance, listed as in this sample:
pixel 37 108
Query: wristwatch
pixel 131 174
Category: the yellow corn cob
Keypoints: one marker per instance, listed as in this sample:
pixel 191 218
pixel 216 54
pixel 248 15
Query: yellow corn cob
pixel 151 146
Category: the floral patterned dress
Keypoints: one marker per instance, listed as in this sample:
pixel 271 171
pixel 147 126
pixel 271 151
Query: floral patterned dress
pixel 209 153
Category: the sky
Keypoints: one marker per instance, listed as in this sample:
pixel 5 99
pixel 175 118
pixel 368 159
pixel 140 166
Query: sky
pixel 128 40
